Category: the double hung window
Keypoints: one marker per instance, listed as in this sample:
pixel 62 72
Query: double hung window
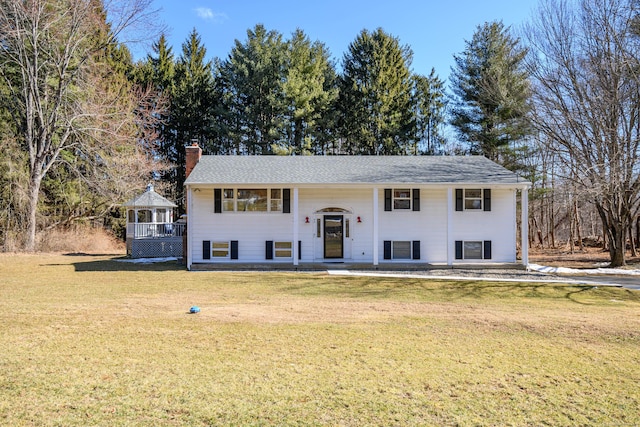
pixel 472 199
pixel 401 199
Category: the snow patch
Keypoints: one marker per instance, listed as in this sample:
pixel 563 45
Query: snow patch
pixel 565 270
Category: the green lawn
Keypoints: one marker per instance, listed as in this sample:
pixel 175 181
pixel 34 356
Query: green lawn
pixel 85 341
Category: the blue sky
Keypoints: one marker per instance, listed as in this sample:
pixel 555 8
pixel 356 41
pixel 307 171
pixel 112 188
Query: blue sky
pixel 435 30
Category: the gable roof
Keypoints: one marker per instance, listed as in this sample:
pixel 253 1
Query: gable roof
pixel 336 170
pixel 150 199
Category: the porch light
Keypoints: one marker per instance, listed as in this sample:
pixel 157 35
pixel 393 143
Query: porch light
pixel 359 220
pixel 306 220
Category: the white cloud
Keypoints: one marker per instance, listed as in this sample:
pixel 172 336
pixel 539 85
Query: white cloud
pixel 209 15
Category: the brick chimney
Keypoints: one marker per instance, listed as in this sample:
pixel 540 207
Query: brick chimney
pixel 193 153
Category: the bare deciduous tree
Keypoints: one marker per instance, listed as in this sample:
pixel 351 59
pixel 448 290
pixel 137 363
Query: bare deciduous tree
pixel 586 72
pixel 49 50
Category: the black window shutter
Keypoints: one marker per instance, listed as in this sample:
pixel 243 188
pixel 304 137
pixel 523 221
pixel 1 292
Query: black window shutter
pixel 387 199
pixel 387 249
pixel 268 250
pixel 286 200
pixel 217 200
pixel 416 249
pixel 459 200
pixel 299 249
pixel 458 249
pixel 206 249
pixel 234 249
pixel 487 249
pixel 416 199
pixel 487 199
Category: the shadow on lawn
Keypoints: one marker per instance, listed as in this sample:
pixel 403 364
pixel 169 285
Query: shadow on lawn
pixel 121 263
pixel 446 290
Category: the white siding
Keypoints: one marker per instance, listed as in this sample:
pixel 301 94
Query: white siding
pixel 498 225
pixel 250 229
pixel 429 225
pixel 357 201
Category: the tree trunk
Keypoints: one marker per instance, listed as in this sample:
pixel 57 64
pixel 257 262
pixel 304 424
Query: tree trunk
pixel 578 233
pixel 34 192
pixel 617 250
pixel 632 242
pixel 571 233
pixel 616 239
pixel 637 230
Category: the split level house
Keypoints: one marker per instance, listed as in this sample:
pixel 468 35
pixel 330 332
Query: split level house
pixel 296 210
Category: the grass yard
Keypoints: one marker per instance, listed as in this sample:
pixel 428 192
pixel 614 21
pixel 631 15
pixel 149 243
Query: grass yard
pixel 85 340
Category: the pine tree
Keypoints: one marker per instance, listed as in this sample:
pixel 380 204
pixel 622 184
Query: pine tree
pixel 491 92
pixel 251 88
pixel 157 74
pixel 375 96
pixel 192 109
pixel 309 93
pixel 430 108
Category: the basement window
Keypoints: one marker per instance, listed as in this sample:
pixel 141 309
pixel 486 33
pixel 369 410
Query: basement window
pixel 282 249
pixel 401 249
pixel 472 250
pixel 220 249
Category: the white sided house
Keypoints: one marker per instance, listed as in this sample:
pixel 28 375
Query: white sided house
pixel 353 209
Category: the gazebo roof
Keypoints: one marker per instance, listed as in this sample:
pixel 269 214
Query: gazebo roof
pixel 149 199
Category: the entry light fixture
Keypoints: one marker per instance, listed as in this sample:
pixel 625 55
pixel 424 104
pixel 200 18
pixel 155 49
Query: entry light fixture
pixel 306 220
pixel 359 220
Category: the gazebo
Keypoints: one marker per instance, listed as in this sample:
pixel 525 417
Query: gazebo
pixel 151 231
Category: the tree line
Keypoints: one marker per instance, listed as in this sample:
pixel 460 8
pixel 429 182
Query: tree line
pixel 280 96
pixel 83 125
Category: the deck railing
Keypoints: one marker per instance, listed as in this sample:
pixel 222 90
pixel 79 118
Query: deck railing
pixel 155 230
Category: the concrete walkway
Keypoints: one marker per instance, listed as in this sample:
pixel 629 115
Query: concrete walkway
pixel 628 282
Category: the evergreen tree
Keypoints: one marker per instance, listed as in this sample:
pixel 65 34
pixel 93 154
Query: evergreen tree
pixel 491 92
pixel 252 91
pixel 192 110
pixel 375 96
pixel 157 74
pixel 308 92
pixel 429 109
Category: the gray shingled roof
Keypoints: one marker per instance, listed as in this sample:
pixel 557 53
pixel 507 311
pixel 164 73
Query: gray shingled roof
pixel 150 199
pixel 350 170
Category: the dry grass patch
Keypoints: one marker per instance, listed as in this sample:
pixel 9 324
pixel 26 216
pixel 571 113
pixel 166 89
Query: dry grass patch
pixel 89 341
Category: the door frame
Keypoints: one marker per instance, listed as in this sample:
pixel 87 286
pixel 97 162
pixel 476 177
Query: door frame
pixel 324 235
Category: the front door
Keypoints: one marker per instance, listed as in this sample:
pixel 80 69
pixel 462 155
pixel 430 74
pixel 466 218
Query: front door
pixel 333 231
